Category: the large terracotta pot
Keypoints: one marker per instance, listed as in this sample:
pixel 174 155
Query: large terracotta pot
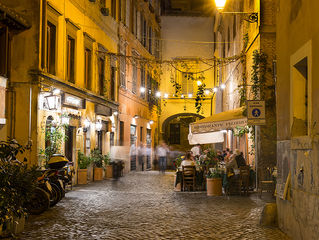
pixel 98 174
pixel 214 187
pixel 82 176
pixel 109 171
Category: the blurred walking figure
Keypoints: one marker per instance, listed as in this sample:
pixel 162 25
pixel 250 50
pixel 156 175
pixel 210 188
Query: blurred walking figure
pixel 133 156
pixel 141 155
pixel 161 153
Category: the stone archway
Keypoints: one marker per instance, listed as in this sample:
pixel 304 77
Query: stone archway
pixel 175 129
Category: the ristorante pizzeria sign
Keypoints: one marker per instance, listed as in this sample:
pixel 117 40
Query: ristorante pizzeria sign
pixel 217 126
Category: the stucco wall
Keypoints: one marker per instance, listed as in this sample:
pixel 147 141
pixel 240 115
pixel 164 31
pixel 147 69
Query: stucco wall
pixel 185 37
pixel 297 26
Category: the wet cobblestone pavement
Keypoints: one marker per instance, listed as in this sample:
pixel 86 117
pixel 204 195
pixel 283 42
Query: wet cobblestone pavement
pixel 143 205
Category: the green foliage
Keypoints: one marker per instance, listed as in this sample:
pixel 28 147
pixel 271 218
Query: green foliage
pixel 200 95
pixel 240 131
pixel 17 182
pixel 215 173
pixel 107 159
pixel 83 161
pixel 258 75
pixel 97 158
pixel 211 157
pixel 54 136
pixel 177 162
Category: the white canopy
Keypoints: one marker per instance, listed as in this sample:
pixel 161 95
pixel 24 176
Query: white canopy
pixel 210 129
pixel 205 138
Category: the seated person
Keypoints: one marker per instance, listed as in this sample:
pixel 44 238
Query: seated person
pixel 188 160
pixel 231 165
pixel 240 160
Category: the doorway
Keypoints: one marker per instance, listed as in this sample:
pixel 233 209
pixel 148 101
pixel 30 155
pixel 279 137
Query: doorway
pixel 68 146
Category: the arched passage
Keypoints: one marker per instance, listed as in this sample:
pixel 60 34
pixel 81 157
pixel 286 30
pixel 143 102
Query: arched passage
pixel 176 128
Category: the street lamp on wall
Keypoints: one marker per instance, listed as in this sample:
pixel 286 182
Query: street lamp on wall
pixel 251 17
pixel 52 102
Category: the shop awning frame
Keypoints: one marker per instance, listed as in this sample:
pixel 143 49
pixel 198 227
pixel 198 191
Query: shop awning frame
pixel 220 121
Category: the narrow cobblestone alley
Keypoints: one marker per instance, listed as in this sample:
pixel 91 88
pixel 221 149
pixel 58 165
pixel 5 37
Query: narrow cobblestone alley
pixel 143 205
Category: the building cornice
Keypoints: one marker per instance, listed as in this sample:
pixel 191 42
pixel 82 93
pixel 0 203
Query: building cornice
pixel 51 80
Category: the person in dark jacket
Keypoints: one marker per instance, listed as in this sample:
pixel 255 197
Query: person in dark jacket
pixel 240 160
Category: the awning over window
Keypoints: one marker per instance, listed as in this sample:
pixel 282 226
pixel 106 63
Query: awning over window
pixel 220 121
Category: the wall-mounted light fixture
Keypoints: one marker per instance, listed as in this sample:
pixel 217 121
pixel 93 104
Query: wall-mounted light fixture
pixel 151 122
pixel 136 116
pixel 98 126
pixel 87 123
pixel 52 102
pixel 250 17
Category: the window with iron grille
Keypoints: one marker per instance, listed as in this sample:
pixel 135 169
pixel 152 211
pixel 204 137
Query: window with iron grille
pixel 175 133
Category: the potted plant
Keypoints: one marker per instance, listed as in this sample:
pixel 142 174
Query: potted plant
pixel 97 160
pixel 83 163
pixel 17 183
pixel 214 182
pixel 108 166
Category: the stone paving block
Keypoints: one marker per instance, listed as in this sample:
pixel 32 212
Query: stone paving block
pixel 144 205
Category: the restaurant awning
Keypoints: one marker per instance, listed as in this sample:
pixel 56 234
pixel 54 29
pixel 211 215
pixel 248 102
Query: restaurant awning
pixel 220 121
pixel 209 129
pixel 205 138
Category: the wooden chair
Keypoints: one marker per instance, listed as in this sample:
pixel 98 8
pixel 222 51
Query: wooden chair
pixel 267 182
pixel 244 179
pixel 188 177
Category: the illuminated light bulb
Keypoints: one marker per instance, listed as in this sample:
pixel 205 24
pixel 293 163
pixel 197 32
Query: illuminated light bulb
pixel 165 95
pixel 98 126
pixel 215 89
pixel 151 122
pixel 142 89
pixel 207 92
pixel 199 83
pixel 115 113
pixel 86 123
pixel 190 95
pixel 182 96
pixel 223 86
pixel 158 94
pixel 220 4
pixel 56 91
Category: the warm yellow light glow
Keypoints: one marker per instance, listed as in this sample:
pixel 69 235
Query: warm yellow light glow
pixel 207 92
pixel 199 83
pixel 220 4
